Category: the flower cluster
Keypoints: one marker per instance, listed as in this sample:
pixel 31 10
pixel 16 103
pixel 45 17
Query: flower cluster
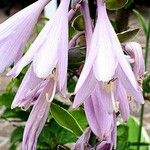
pixel 109 83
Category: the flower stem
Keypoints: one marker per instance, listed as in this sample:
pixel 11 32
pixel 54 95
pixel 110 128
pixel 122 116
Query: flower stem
pixel 142 107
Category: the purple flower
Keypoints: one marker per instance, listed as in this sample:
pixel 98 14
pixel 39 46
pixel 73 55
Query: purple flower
pixel 15 32
pixel 50 49
pixel 38 116
pixel 105 61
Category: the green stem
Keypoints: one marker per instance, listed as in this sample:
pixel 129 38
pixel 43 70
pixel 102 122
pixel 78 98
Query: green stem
pixel 142 107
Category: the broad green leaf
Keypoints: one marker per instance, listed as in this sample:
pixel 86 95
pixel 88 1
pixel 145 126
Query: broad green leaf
pixel 127 35
pixel 115 4
pixel 142 21
pixel 16 135
pixel 133 125
pixel 78 23
pixel 65 119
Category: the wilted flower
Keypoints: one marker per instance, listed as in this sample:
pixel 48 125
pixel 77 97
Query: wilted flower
pixel 38 116
pixel 134 50
pixel 28 90
pixel 15 32
pixel 50 49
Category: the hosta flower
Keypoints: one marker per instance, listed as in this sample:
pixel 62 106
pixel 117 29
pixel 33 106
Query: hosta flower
pixel 50 49
pixel 105 60
pixel 38 116
pixel 15 32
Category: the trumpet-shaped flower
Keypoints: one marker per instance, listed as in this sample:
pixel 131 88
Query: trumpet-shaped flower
pixel 38 116
pixel 50 49
pixel 15 32
pixel 105 60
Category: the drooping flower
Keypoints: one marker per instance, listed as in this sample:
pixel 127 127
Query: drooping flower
pixel 105 60
pixel 38 116
pixel 15 32
pixel 134 50
pixel 50 49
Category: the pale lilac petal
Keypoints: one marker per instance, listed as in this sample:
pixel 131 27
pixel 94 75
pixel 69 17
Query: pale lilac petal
pixel 82 142
pixel 134 50
pixel 86 90
pixel 37 118
pixel 55 46
pixel 100 121
pixel 121 96
pixel 105 62
pixel 29 82
pixel 117 49
pixel 137 94
pixel 15 32
pixel 90 115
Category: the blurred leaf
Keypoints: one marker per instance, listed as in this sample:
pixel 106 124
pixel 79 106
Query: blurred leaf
pixel 146 84
pixel 133 125
pixel 16 135
pixel 122 137
pixel 52 135
pixel 71 85
pixel 65 119
pixel 79 115
pixel 78 23
pixel 122 132
pixel 115 4
pixel 12 147
pixel 142 21
pixel 15 113
pixel 127 35
pixel 6 99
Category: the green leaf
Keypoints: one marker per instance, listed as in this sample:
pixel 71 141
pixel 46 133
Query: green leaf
pixel 16 136
pixel 127 35
pixel 65 119
pixel 115 4
pixel 12 147
pixel 78 23
pixel 142 21
pixel 79 115
pixel 6 99
pixel 146 84
pixel 133 125
pixel 122 132
pixel 53 135
pixel 15 113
